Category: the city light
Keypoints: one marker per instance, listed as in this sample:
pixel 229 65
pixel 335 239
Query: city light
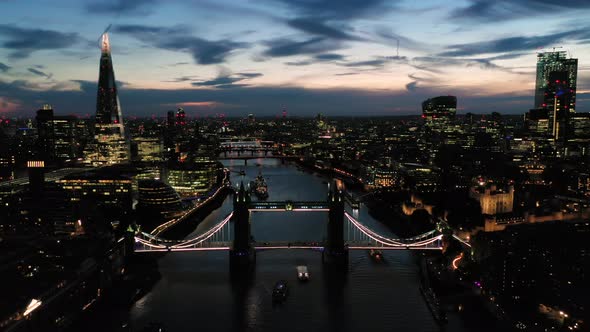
pixel 493 179
pixel 33 305
pixel 456 261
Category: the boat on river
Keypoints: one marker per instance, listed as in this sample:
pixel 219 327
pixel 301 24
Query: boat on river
pixel 259 187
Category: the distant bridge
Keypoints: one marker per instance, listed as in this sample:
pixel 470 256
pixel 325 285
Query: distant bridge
pixel 257 156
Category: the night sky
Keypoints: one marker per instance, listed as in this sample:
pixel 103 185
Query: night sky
pixel 336 57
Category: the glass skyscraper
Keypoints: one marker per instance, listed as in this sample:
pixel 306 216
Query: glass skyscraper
pixel 111 144
pixel 438 112
pixel 556 89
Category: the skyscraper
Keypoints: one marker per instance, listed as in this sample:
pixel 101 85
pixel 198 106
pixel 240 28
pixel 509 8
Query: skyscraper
pixel 112 143
pixel 45 132
pixel 437 112
pixel 556 89
pixel 56 138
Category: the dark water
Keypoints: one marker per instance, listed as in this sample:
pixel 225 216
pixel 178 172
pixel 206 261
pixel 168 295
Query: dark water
pixel 195 292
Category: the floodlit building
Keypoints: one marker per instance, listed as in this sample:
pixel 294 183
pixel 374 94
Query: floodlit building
pixel 493 199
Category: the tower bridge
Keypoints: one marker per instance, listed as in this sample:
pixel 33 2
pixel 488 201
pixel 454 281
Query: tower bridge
pixel 344 233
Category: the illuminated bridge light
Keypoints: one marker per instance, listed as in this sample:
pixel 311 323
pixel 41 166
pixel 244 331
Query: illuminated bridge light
pixel 210 239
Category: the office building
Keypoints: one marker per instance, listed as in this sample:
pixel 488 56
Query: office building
pixel 157 199
pixel 555 90
pixel 149 149
pixel 192 179
pixel 56 135
pixel 439 109
pixel 537 121
pixel 111 144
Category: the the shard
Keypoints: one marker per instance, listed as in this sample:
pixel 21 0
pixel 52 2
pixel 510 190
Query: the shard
pixel 111 142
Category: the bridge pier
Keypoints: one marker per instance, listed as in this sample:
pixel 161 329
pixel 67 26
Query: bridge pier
pixel 242 255
pixel 335 252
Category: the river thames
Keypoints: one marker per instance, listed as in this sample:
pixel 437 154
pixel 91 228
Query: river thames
pixel 195 291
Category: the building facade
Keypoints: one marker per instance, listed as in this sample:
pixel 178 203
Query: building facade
pixel 439 110
pixel 555 90
pixel 111 145
pixel 494 199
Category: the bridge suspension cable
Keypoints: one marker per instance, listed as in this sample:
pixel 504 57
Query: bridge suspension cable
pixel 159 243
pixel 219 236
pixel 423 239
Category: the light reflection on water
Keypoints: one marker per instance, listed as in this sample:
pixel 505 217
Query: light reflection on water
pixel 195 291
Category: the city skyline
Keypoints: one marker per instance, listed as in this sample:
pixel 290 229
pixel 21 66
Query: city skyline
pixel 308 57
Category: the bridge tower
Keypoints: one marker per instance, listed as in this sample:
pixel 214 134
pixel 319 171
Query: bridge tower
pixel 242 255
pixel 335 252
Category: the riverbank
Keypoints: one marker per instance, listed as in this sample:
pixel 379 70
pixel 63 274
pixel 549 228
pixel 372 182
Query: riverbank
pixel 141 274
pixel 183 228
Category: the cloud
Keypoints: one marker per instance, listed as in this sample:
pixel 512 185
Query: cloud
pixel 90 87
pixel 34 87
pixel 144 31
pixel 286 47
pixel 40 73
pixel 434 64
pixel 198 104
pixel 329 57
pixel 8 105
pixel 300 63
pixel 318 58
pixel 513 44
pixel 326 24
pixel 23 41
pixel 386 36
pixel 182 79
pixel 338 59
pixel 226 80
pixel 341 9
pixel 178 38
pixel 502 10
pixel 413 86
pixel 87 86
pixel 208 105
pixel 127 7
pixel 4 67
pixel 264 100
pixel 377 62
pixel 345 74
pixel 316 27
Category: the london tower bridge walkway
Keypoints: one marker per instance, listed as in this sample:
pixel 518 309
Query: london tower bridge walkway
pixel 344 232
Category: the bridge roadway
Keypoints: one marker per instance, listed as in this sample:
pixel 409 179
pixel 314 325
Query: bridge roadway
pixel 351 245
pixel 289 206
pixel 250 157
